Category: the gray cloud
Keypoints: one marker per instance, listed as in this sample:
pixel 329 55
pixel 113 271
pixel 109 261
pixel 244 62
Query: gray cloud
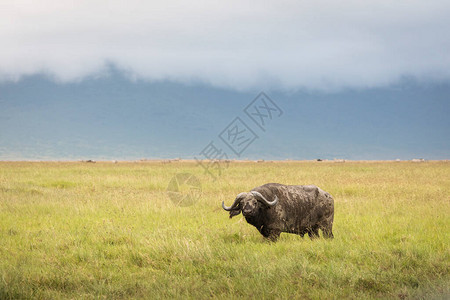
pixel 237 44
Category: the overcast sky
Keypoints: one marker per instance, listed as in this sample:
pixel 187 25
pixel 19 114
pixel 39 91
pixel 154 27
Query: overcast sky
pixel 234 44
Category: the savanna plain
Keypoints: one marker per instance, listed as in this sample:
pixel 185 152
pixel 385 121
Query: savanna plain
pixel 110 230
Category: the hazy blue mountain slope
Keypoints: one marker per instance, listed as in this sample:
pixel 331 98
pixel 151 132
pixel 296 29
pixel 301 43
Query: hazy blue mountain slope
pixel 115 118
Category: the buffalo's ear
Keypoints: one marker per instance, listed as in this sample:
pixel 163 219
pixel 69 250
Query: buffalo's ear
pixel 235 212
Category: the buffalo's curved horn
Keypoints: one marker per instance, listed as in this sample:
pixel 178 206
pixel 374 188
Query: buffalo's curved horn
pixel 263 199
pixel 235 203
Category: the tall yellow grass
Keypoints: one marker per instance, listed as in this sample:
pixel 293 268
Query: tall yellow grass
pixel 104 230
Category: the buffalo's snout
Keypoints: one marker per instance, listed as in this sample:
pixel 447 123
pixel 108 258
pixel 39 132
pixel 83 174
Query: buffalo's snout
pixel 247 212
pixel 249 208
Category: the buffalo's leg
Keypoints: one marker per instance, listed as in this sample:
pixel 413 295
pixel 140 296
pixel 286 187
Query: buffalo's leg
pixel 274 235
pixel 313 232
pixel 271 234
pixel 326 228
pixel 327 232
pixel 302 233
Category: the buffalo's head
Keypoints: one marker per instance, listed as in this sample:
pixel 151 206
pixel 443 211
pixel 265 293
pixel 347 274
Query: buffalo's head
pixel 249 203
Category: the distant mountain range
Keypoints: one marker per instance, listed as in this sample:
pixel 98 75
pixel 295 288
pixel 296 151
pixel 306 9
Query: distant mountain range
pixel 113 117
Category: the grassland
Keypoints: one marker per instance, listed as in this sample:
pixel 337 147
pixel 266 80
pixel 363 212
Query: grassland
pixel 104 230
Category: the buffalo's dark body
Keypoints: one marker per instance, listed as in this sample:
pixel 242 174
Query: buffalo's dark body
pixel 300 209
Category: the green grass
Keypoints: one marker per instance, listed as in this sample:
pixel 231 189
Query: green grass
pixel 77 230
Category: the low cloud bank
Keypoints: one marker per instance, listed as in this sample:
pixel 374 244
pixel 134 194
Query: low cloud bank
pixel 239 45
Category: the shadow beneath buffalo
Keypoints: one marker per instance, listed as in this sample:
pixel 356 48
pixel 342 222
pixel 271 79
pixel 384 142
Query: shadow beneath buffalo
pixel 238 238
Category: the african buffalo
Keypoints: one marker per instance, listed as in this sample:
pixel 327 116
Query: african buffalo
pixel 274 208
